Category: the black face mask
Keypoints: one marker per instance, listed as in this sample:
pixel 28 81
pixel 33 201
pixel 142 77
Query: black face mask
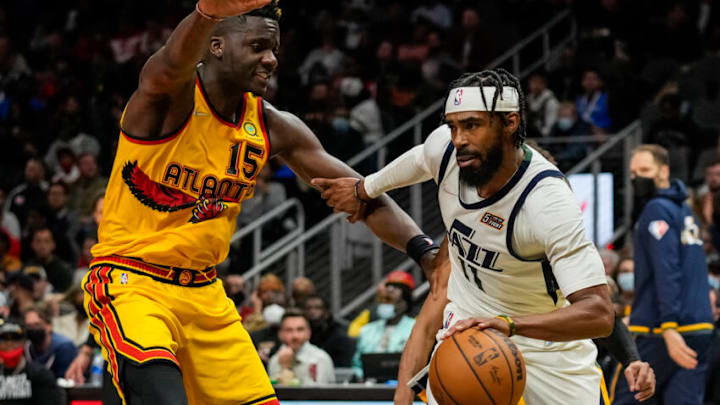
pixel 643 191
pixel 238 298
pixel 36 336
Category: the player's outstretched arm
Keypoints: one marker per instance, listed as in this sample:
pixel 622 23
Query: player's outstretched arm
pixel 294 143
pixel 427 323
pixel 346 193
pixel 164 95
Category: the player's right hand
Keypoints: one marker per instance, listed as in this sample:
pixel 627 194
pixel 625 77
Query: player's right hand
pixel 680 352
pixel 229 8
pixel 479 323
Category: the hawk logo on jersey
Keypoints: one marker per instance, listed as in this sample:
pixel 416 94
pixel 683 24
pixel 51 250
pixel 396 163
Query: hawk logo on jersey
pixel 207 208
pixel 493 221
pixel 658 228
pixel 167 199
pixel 458 96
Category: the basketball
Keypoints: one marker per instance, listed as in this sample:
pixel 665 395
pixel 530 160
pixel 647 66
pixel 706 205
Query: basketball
pixel 477 367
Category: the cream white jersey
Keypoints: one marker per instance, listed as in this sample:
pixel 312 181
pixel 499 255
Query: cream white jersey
pixel 520 251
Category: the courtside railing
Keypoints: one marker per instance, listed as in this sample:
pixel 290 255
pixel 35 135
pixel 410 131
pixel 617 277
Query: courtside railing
pixel 295 258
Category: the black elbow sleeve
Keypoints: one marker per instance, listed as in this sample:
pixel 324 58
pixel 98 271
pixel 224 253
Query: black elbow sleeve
pixel 620 344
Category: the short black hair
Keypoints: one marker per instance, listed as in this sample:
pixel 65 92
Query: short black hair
pixel 272 11
pixel 294 313
pixel 498 78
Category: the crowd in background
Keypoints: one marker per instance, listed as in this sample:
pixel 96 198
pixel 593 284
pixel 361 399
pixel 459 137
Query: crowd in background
pixel 352 70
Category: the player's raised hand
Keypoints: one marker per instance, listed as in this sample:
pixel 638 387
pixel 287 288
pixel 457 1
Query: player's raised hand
pixel 340 195
pixel 678 350
pixel 229 8
pixel 641 379
pixel 479 323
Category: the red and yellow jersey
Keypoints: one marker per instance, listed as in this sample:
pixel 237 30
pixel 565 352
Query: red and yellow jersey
pixel 174 201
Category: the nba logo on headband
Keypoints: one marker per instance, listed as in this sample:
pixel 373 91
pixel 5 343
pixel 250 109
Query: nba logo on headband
pixel 458 96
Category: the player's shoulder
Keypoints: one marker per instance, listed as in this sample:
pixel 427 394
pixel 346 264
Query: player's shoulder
pixel 440 136
pixel 549 194
pixel 286 130
pixel 438 147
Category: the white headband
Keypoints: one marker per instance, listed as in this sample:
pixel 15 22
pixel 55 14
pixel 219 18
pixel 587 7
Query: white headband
pixel 469 99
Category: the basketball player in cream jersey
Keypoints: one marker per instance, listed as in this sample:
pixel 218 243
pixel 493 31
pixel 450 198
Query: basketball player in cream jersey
pixel 519 260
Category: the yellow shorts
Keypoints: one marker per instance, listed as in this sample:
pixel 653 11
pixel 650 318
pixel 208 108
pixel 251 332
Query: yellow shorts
pixel 147 313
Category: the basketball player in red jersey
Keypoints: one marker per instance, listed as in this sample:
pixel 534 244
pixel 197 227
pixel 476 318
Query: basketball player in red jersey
pixel 194 136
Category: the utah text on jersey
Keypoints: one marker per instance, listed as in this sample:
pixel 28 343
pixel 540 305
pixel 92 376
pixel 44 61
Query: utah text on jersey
pixel 471 255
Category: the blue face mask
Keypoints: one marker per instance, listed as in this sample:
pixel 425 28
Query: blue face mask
pixel 386 311
pixel 626 281
pixel 341 125
pixel 565 123
pixel 714 282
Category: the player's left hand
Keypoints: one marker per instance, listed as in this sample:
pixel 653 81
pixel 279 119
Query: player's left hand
pixel 340 195
pixel 641 379
pixel 479 323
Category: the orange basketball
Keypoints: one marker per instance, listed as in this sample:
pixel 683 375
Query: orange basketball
pixel 477 367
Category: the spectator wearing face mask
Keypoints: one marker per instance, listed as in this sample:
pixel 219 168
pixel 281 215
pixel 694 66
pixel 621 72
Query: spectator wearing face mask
pixel 569 125
pixel 267 301
pixel 389 333
pixel 50 349
pixel 626 282
pixel 671 314
pixel 22 381
pixel 266 339
pixel 235 289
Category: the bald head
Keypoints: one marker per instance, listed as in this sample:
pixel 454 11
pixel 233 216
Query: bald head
pixel 302 288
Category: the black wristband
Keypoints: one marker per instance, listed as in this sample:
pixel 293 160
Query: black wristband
pixel 357 192
pixel 418 245
pixel 620 344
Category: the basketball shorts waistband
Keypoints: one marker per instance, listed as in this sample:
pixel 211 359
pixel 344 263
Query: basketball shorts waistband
pixel 166 274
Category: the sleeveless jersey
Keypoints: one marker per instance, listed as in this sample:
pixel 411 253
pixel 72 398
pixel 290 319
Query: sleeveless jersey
pixel 174 201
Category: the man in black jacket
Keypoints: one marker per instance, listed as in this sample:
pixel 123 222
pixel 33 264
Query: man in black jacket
pixel 22 381
pixel 327 333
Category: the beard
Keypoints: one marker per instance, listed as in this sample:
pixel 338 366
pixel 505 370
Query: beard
pixel 489 164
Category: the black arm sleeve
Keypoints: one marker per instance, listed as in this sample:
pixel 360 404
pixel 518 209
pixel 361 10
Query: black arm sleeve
pixel 620 344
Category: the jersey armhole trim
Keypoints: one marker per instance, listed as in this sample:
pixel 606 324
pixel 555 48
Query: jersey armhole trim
pixel 263 125
pixel 518 205
pixel 156 140
pixel 445 161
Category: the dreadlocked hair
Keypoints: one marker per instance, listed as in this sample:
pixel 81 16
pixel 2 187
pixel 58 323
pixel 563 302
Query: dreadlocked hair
pixel 237 23
pixel 497 78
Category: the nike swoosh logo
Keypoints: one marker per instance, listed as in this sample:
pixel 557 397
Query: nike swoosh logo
pixel 201 114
